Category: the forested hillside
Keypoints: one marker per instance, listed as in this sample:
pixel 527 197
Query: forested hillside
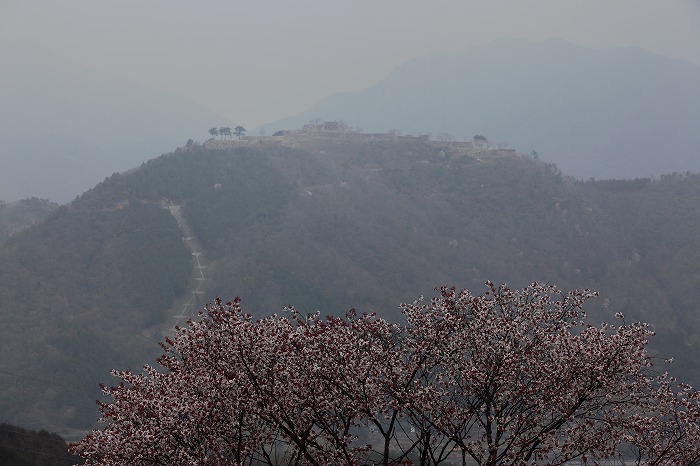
pixel 16 216
pixel 79 293
pixel 22 447
pixel 328 221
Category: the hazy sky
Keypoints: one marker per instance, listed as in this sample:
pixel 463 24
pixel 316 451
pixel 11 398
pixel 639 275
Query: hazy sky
pixel 257 61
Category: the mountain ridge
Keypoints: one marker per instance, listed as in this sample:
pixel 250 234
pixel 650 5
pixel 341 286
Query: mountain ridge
pixel 601 113
pixel 325 221
pixel 65 126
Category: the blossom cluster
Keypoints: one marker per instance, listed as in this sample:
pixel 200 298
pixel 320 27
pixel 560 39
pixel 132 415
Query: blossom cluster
pixel 508 377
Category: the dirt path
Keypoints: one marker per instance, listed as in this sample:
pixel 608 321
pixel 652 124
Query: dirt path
pixel 191 303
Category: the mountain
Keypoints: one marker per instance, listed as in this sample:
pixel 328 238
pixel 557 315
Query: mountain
pixel 324 219
pixel 601 113
pixel 22 447
pixel 16 216
pixel 65 126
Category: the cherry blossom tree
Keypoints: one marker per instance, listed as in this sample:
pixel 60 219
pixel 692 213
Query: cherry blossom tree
pixel 520 378
pixel 280 390
pixel 503 378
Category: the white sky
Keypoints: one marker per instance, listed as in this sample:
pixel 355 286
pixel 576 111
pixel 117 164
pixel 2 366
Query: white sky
pixel 257 61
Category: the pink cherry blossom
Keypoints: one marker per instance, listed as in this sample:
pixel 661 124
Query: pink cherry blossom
pixel 509 377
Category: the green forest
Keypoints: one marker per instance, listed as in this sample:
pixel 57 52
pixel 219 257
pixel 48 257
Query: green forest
pixel 16 216
pixel 23 447
pixel 327 223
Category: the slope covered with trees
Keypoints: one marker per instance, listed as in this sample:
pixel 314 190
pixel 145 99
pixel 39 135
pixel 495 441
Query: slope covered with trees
pixel 328 221
pixel 22 447
pixel 16 216
pixel 80 292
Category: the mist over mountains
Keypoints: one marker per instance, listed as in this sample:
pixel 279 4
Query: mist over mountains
pixel 65 126
pixel 601 113
pixel 331 219
pixel 324 221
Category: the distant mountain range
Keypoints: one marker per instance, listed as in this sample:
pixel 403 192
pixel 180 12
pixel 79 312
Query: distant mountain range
pixel 323 220
pixel 65 126
pixel 601 113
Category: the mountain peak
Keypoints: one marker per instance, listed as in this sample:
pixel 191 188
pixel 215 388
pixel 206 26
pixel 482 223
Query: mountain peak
pixel 593 112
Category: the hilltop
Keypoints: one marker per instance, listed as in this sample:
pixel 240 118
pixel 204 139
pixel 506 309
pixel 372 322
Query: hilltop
pixel 325 219
pixel 601 113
